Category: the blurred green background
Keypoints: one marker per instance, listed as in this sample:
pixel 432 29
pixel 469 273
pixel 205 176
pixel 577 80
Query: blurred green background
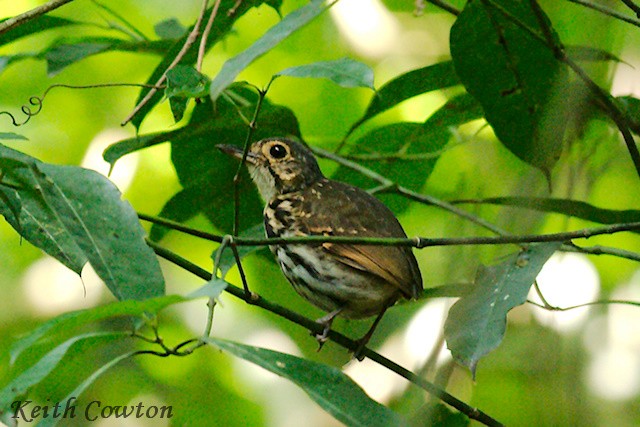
pixel 575 368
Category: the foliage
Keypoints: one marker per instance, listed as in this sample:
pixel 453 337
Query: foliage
pixel 516 82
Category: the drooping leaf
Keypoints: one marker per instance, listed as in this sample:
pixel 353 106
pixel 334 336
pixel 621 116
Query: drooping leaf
pixel 408 85
pixel 169 29
pixel 36 373
pixel 344 72
pixel 630 107
pixel 77 215
pixel 52 421
pixel 71 320
pixel 521 86
pixel 335 392
pixel 588 53
pixel 11 135
pixel 63 55
pixel 575 208
pixel 477 322
pixel 36 25
pixel 212 289
pixel 276 34
pixel 186 81
pixel 229 12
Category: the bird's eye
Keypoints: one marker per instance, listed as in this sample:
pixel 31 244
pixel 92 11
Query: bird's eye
pixel 278 151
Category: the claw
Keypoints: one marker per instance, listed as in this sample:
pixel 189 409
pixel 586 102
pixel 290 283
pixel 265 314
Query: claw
pixel 326 321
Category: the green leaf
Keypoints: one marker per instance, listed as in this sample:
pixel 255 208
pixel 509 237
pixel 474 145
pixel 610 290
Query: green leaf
pixel 51 421
pixel 11 135
pixel 63 55
pixel 575 208
pixel 407 153
pixel 36 25
pixel 69 321
pixel 170 29
pixel 77 215
pixel 335 392
pixel 212 289
pixel 344 72
pixel 477 322
pixel 276 34
pixel 408 85
pixel 36 373
pixel 588 53
pixel 185 81
pixel 222 26
pixel 521 86
pixel 630 107
pixel 178 107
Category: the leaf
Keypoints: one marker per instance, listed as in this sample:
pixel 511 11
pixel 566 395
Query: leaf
pixel 344 72
pixel 52 421
pixel 74 319
pixel 36 25
pixel 36 373
pixel 588 53
pixel 406 153
pixel 11 135
pixel 212 289
pixel 335 392
pixel 477 322
pixel 170 29
pixel 222 25
pixel 185 81
pixel 61 56
pixel 77 215
pixel 569 207
pixel 521 86
pixel 408 85
pixel 630 107
pixel 276 34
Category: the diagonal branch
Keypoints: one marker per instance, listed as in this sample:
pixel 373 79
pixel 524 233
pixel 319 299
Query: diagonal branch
pixel 336 337
pixel 191 39
pixel 10 23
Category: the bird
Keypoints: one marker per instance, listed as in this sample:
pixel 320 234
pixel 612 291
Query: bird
pixel 354 281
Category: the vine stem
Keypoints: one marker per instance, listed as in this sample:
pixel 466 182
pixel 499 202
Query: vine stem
pixel 340 339
pixel 10 23
pixel 191 39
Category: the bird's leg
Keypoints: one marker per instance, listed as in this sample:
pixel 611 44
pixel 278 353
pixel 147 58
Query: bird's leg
pixel 326 321
pixel 362 342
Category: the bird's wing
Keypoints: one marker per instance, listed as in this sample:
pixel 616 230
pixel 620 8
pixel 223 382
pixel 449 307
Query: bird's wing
pixel 341 216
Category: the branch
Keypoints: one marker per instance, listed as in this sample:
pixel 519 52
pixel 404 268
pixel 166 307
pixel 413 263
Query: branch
pixel 205 35
pixel 10 23
pixel 631 5
pixel 336 337
pixel 416 242
pixel 191 39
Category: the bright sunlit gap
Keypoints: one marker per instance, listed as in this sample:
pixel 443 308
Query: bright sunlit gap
pixel 51 288
pixel 566 280
pixel 125 169
pixel 613 342
pixel 367 25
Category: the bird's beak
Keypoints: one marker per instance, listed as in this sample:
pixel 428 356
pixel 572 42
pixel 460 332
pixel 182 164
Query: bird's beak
pixel 235 151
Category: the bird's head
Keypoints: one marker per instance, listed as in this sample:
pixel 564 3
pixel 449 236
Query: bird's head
pixel 278 165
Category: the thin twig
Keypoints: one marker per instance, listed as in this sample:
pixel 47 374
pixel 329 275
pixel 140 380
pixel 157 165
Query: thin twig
pixel 608 11
pixel 336 337
pixel 191 39
pixel 445 6
pixel 31 14
pixel 205 35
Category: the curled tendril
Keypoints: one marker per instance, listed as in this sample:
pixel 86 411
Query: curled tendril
pixel 37 101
